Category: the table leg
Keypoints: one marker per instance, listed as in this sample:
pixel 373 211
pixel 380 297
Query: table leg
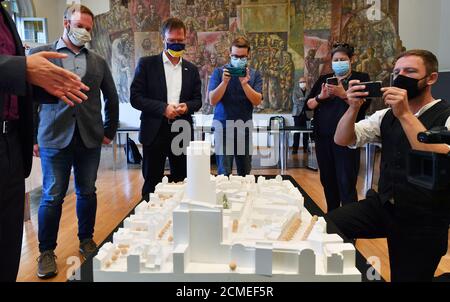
pixel 114 147
pixel 126 147
pixel 283 151
pixel 312 161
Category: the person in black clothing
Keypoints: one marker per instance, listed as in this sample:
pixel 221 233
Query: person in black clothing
pixel 167 90
pixel 299 98
pixel 17 75
pixel 339 166
pixel 415 220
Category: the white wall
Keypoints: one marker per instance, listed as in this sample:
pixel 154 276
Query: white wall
pixel 444 46
pixel 426 25
pixel 97 6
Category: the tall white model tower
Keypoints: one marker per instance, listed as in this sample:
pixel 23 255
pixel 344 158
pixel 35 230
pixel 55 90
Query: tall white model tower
pixel 200 187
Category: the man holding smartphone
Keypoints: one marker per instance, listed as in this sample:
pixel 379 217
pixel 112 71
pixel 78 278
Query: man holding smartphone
pixel 414 220
pixel 234 99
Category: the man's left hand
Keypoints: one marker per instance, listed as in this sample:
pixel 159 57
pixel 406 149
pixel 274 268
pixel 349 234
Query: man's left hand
pixel 182 108
pixel 397 99
pixel 106 141
pixel 246 79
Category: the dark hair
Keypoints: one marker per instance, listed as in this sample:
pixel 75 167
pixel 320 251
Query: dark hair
pixel 241 42
pixel 74 8
pixel 346 48
pixel 429 59
pixel 171 24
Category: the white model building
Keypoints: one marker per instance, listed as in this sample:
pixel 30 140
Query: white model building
pixel 224 229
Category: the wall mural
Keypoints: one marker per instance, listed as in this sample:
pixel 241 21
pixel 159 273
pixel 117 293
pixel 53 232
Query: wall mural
pixel 289 38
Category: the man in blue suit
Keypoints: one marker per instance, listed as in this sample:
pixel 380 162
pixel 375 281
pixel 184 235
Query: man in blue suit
pixel 166 89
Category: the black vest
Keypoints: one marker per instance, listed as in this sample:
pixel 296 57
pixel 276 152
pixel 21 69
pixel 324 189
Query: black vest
pixel 393 181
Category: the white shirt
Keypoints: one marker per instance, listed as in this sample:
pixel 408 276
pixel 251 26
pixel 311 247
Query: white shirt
pixel 174 80
pixel 369 130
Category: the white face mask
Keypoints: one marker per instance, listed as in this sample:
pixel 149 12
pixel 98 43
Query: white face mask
pixel 302 86
pixel 79 36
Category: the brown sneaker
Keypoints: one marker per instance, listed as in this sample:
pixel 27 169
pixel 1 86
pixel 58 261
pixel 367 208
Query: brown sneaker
pixel 47 265
pixel 88 247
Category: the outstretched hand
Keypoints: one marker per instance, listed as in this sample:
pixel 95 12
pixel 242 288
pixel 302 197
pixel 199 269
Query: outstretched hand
pixel 57 81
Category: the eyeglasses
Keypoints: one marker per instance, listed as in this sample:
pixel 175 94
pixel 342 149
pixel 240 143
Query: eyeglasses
pixel 238 57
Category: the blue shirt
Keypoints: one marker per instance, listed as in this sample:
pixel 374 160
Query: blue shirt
pixel 75 62
pixel 234 104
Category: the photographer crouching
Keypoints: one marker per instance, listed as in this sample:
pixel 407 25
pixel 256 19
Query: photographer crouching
pixel 415 220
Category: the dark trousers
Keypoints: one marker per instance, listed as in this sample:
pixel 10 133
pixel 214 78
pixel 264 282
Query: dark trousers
pixel 415 245
pixel 56 168
pixel 12 201
pixel 339 167
pixel 154 160
pixel 300 121
pixel 237 147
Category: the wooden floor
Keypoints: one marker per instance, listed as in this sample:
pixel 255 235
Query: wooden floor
pixel 119 191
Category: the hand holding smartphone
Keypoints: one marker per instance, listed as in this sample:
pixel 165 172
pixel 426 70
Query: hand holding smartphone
pixel 373 88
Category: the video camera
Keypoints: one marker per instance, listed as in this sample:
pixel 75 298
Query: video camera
pixel 430 170
pixel 435 136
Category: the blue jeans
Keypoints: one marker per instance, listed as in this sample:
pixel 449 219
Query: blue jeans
pixel 229 147
pixel 56 168
pixel 225 164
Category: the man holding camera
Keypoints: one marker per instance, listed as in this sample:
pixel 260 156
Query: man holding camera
pixel 414 220
pixel 235 90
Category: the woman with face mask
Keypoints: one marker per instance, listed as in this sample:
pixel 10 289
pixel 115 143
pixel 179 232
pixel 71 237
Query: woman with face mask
pixel 299 98
pixel 339 166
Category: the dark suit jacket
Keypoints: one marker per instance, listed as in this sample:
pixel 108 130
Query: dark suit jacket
pixel 56 122
pixel 13 80
pixel 149 94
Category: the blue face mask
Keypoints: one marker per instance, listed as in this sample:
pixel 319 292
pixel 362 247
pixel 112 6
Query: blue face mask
pixel 239 62
pixel 341 68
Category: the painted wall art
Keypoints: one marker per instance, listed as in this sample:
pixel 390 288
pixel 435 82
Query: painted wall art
pixel 289 39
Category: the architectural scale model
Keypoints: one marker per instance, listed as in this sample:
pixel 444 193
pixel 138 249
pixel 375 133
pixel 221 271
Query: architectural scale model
pixel 224 229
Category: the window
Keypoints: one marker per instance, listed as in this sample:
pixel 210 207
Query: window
pixel 33 30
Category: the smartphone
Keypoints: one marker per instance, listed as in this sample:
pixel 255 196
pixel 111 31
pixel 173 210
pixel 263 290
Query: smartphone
pixel 373 88
pixel 237 72
pixel 333 81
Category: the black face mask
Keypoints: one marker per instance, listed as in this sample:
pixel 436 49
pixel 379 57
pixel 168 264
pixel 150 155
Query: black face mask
pixel 409 84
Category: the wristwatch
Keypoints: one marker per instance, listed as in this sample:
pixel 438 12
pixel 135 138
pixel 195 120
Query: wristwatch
pixel 318 100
